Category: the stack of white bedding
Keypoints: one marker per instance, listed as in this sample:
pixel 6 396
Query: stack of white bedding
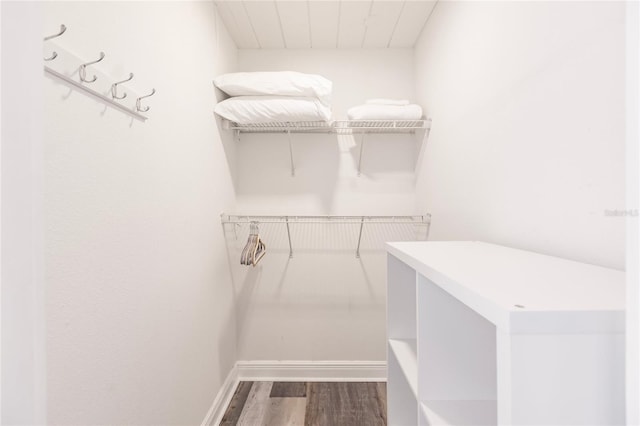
pixel 385 109
pixel 265 97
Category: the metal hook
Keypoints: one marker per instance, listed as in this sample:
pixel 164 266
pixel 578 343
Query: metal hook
pixel 138 103
pixel 83 70
pixel 54 54
pixel 114 88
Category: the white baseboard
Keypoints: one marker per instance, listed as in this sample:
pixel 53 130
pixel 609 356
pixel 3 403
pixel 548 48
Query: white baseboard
pixel 289 371
pixel 310 371
pixel 222 399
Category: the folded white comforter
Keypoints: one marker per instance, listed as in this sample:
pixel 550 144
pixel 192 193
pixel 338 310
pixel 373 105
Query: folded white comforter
pixel 385 112
pixel 276 83
pixel 269 109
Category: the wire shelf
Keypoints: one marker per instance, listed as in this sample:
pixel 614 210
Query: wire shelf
pixel 416 219
pixel 341 127
pixel 347 127
pixel 292 223
pixel 284 127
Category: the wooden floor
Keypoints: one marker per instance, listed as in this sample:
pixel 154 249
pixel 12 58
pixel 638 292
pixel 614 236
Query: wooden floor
pixel 311 404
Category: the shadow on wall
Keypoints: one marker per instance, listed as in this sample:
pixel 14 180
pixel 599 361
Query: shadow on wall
pixel 422 140
pixel 326 169
pixel 264 166
pixel 227 138
pixel 323 281
pixel 380 152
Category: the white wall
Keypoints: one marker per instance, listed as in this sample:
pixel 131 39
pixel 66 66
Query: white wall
pixel 527 145
pixel 140 314
pixel 23 375
pixel 323 304
pixel 632 342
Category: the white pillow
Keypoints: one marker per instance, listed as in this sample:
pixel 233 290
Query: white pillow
pixel 279 83
pixel 272 109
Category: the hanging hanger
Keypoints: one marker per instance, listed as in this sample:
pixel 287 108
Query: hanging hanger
pixel 249 248
pixel 254 249
pixel 54 54
pixel 261 250
pixel 83 70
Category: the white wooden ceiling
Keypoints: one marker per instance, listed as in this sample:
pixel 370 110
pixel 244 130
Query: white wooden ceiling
pixel 292 24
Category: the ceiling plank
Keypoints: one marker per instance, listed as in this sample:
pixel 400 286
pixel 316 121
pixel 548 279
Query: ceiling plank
pixel 412 20
pixel 353 17
pixel 301 24
pixel 229 22
pixel 238 24
pixel 294 16
pixel 266 23
pixel 324 24
pixel 381 23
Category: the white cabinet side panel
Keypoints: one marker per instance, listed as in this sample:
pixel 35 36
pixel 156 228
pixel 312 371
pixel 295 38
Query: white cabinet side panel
pixel 549 384
pixel 401 300
pixel 456 348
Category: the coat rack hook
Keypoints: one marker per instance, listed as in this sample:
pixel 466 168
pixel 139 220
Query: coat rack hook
pixel 83 69
pixel 139 107
pixel 114 87
pixel 54 54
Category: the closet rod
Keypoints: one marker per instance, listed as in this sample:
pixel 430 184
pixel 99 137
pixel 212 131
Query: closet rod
pixel 355 220
pixel 93 93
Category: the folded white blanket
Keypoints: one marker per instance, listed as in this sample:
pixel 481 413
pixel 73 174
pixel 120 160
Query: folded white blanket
pixel 381 101
pixel 385 112
pixel 272 109
pixel 277 83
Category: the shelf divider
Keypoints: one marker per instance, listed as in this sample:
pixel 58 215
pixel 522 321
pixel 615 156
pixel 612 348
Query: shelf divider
pixel 406 354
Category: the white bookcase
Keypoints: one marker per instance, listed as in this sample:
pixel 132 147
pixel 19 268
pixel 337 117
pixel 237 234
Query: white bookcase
pixel 480 334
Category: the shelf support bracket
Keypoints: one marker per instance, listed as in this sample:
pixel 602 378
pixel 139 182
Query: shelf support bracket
pixel 360 156
pixel 359 238
pixel 293 167
pixel 289 237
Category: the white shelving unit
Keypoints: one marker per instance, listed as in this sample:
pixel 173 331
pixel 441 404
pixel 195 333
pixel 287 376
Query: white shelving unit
pixel 339 127
pixel 481 334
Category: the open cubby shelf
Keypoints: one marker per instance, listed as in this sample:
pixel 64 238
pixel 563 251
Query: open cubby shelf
pixel 485 335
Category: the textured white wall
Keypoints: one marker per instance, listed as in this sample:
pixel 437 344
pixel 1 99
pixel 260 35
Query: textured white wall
pixel 140 315
pixel 23 376
pixel 527 145
pixel 324 304
pixel 632 343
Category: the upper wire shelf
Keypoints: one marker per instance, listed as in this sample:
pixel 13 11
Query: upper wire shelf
pixel 347 127
pixel 340 127
pixel 283 127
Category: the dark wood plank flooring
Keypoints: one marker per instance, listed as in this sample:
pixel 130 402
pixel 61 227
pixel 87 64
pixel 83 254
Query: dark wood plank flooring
pixel 307 404
pixel 236 405
pixel 288 390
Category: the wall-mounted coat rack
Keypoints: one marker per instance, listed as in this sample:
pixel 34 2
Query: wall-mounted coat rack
pixel 81 75
pixel 424 220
